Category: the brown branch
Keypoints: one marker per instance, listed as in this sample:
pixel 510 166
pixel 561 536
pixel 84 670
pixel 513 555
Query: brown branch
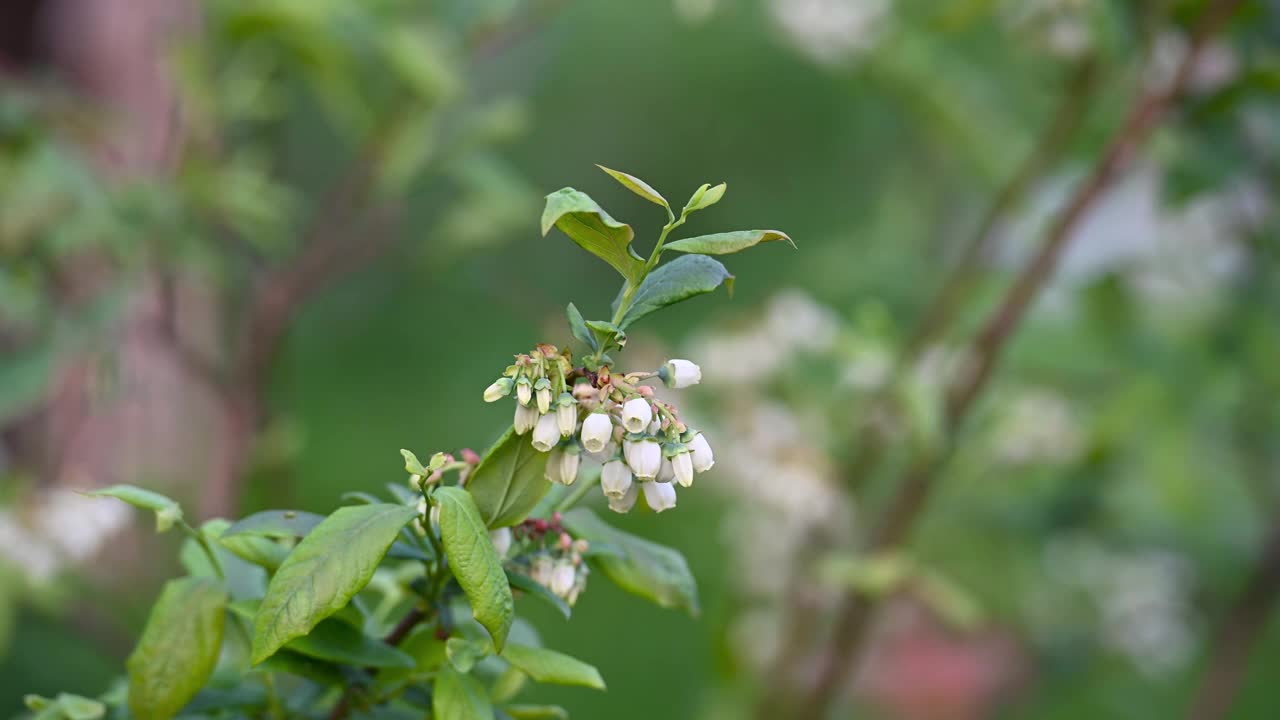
pixel 1234 640
pixel 867 445
pixel 917 482
pixel 397 635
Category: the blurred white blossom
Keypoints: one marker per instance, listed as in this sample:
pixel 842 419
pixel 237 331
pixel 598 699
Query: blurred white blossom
pixel 61 528
pixel 832 31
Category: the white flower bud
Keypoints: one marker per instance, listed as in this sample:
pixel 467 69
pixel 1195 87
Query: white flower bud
pixel 660 496
pixel 644 457
pixel 498 390
pixel 569 467
pixel 682 467
pixel 615 478
pixel 544 400
pixel 666 474
pixel 567 414
pixel 562 578
pixel 546 433
pixel 680 374
pixel 526 418
pixel 703 458
pixel 553 472
pixel 434 518
pixel 501 539
pixel 655 427
pixel 627 501
pixel 636 415
pixel 524 390
pixel 597 431
pixel 541 570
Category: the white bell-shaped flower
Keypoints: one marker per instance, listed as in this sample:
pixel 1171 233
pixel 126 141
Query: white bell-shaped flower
pixel 636 415
pixel 524 390
pixel 501 539
pixel 554 471
pixel 644 457
pixel 541 570
pixel 567 414
pixel 569 462
pixel 660 496
pixel 546 433
pixel 627 501
pixel 562 578
pixel 615 478
pixel 526 418
pixel 597 431
pixel 682 467
pixel 666 474
pixel 680 374
pixel 498 390
pixel 703 458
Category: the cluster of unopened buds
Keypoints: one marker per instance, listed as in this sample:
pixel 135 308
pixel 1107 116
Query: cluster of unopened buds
pixel 548 555
pixel 641 442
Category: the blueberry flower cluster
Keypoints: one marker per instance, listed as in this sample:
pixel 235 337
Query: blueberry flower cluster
pixel 548 555
pixel 640 441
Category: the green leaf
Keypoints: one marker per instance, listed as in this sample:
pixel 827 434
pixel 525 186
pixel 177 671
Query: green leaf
pixel 474 562
pixel 726 243
pixel 549 666
pixel 704 197
pixel 587 224
pixel 322 574
pixel 509 481
pixel 523 582
pixel 428 653
pixel 680 279
pixel 536 712
pixel 578 326
pixel 314 670
pixel 276 524
pixel 65 706
pixel 179 648
pixel 243 579
pixel 642 568
pixel 459 697
pixel 338 642
pixel 463 654
pixel 261 551
pixel 166 509
pixel 607 334
pixel 411 464
pixel 637 186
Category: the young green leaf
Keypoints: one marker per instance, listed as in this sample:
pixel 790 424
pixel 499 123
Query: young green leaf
pixel 637 186
pixel 474 562
pixel 339 642
pixel 242 578
pixel 607 334
pixel 680 279
pixel 704 197
pixel 509 481
pixel 459 697
pixel 643 568
pixel 463 654
pixel 726 243
pixel 578 327
pixel 536 712
pixel 65 706
pixel 331 564
pixel 587 224
pixel 428 653
pixel 167 510
pixel 179 648
pixel 412 465
pixel 292 663
pixel 549 666
pixel 519 581
pixel 261 551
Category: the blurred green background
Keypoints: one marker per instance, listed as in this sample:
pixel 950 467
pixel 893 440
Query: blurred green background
pixel 874 133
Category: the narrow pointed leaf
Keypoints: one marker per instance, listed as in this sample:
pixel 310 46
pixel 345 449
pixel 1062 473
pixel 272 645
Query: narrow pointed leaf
pixel 587 224
pixel 726 243
pixel 331 564
pixel 578 326
pixel 166 509
pixel 680 279
pixel 704 197
pixel 549 666
pixel 509 481
pixel 475 563
pixel 179 648
pixel 642 568
pixel 637 186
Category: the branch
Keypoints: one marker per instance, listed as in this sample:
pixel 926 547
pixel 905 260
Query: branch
pixel 918 480
pixel 1231 646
